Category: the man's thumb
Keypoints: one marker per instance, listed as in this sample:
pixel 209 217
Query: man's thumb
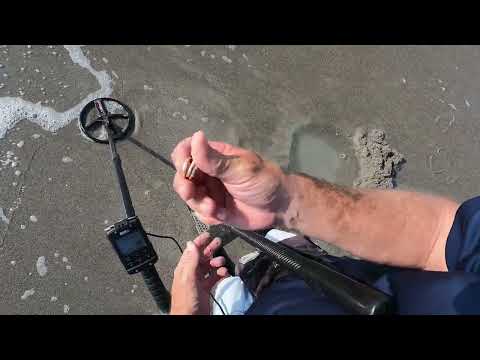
pixel 207 159
pixel 190 258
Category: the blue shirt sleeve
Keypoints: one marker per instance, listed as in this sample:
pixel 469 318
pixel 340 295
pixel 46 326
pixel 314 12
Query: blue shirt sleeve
pixel 463 245
pixel 416 292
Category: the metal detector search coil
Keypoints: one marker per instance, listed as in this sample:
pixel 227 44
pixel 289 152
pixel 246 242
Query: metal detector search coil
pixel 103 112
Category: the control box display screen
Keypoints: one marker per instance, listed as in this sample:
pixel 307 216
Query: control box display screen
pixel 130 242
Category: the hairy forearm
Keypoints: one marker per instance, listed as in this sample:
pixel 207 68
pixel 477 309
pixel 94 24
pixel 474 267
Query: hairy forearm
pixel 393 227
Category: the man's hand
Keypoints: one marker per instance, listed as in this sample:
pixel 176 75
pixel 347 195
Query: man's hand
pixel 196 274
pixel 233 186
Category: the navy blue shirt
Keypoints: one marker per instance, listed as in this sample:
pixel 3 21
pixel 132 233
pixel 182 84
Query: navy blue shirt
pixel 414 291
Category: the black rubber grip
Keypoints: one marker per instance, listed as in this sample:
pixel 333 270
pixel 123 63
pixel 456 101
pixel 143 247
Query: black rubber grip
pixel 354 295
pixel 157 289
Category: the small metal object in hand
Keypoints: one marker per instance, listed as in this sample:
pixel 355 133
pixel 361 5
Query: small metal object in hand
pixel 189 168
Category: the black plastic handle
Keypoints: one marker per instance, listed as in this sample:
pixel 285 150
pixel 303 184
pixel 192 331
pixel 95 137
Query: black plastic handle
pixel 122 183
pixel 157 289
pixel 354 295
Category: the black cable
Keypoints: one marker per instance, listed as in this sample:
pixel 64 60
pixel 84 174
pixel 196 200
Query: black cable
pixel 181 252
pixel 167 237
pixel 216 302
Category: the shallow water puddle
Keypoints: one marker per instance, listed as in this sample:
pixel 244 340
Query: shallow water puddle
pixel 322 153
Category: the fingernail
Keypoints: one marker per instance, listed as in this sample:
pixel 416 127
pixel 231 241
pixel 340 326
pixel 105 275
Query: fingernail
pixel 190 245
pixel 222 214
